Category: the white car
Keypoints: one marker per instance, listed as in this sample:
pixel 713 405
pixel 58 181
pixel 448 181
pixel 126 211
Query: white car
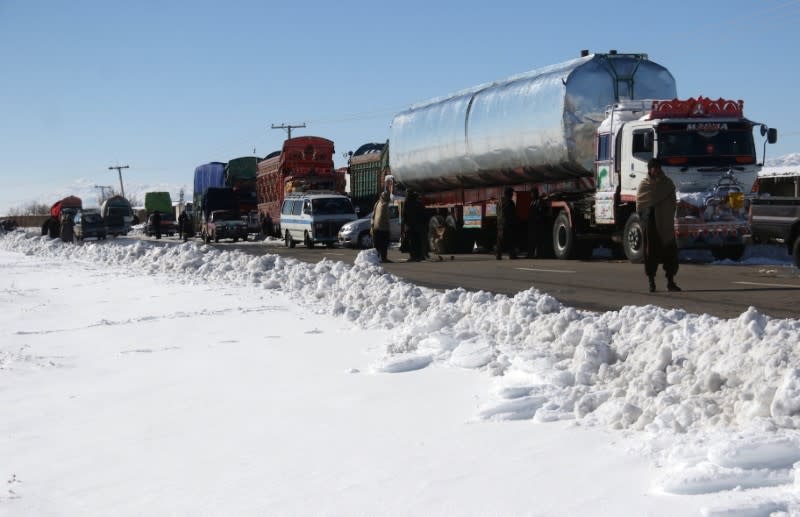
pixel 356 234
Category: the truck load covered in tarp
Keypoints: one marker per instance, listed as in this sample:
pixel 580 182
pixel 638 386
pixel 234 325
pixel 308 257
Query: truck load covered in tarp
pixel 208 175
pixel 160 201
pixel 536 126
pixel 240 169
pixel 72 203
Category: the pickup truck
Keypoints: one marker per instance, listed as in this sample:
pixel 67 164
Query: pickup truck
pixel 224 224
pixel 775 210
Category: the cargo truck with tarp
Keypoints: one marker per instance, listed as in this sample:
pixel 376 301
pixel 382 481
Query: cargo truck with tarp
pixel 581 132
pixel 117 215
pixel 67 207
pixel 240 175
pixel 208 175
pixel 162 203
pixel 303 164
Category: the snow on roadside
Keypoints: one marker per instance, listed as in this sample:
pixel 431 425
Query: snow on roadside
pixel 689 382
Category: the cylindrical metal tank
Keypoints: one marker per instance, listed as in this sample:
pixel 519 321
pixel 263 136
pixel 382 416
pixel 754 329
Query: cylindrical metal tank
pixel 536 126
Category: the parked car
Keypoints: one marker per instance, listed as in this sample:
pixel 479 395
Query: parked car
pixel 224 224
pixel 357 233
pixel 88 225
pixel 314 217
pixel 775 211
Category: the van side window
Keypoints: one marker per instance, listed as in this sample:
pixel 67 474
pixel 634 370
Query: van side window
pixel 643 144
pixel 287 207
pixel 297 208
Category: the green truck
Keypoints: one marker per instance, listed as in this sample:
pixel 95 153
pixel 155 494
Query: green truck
pixel 162 203
pixel 368 167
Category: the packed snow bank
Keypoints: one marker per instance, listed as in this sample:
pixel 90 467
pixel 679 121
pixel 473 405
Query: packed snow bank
pixel 640 368
pixel 716 401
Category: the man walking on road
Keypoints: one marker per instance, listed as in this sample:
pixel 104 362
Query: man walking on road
pixel 656 203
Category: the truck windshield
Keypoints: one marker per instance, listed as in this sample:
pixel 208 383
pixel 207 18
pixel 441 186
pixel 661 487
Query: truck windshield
pixel 332 205
pixel 706 143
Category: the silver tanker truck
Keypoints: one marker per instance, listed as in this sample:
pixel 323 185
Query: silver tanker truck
pixel 581 132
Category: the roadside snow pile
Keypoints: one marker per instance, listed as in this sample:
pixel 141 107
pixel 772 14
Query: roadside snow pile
pixel 641 368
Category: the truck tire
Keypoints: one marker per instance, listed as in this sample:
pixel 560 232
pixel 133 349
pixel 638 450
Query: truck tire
pixel 564 245
pixel 796 250
pixel 288 240
pixel 308 241
pixel 633 239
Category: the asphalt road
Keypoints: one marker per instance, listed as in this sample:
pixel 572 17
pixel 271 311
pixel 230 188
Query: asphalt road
pixel 598 284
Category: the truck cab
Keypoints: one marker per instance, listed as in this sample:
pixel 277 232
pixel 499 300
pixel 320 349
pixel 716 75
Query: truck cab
pixel 706 147
pixel 224 224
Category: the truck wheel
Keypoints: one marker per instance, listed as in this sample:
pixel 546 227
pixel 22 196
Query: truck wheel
pixel 563 237
pixel 796 251
pixel 633 239
pixel 365 240
pixel 308 241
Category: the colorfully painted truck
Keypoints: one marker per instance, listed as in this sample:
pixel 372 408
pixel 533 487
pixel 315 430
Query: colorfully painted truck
pixel 304 163
pixel 367 168
pixel 581 132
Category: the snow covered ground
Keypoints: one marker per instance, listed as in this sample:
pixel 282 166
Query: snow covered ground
pixel 183 380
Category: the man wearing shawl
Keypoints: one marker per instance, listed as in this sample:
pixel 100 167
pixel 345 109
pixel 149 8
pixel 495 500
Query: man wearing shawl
pixel 656 203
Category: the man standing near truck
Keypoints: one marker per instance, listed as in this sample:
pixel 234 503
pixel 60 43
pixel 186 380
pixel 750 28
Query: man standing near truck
pixel 156 220
pixel 506 226
pixel 656 202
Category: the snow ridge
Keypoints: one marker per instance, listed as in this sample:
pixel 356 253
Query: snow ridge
pixel 640 368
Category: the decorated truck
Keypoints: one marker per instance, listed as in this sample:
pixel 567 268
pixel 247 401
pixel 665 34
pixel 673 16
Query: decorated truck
pixel 581 132
pixel 304 163
pixel 69 206
pixel 367 168
pixel 240 175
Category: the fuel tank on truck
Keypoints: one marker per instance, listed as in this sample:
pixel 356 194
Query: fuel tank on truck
pixel 533 127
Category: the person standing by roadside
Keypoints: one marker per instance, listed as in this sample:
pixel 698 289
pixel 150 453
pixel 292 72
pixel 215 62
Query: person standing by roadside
pixel 183 225
pixel 67 228
pixel 156 221
pixel 656 203
pixel 380 226
pixel 536 226
pixel 506 225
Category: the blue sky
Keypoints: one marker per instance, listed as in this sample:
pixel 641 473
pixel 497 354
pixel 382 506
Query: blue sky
pixel 165 86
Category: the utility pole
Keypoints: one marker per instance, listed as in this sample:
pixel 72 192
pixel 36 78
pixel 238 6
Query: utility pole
pixel 288 127
pixel 103 189
pixel 119 171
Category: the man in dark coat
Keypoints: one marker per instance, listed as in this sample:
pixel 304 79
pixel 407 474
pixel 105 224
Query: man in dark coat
pixel 536 225
pixel 156 221
pixel 506 226
pixel 656 202
pixel 414 226
pixel 183 225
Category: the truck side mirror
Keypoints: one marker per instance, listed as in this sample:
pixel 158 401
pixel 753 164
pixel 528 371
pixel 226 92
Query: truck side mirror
pixel 772 135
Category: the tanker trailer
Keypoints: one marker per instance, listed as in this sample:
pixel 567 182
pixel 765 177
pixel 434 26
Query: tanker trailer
pixel 581 133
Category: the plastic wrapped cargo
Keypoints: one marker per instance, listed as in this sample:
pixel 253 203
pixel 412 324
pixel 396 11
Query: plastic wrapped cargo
pixel 533 127
pixel 209 175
